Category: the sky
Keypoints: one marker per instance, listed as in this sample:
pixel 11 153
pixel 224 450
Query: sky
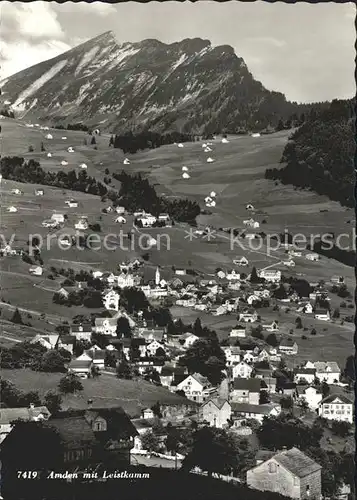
pixel 304 50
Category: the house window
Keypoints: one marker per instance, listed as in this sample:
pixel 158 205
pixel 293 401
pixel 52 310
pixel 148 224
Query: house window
pixel 308 490
pixel 99 425
pixel 296 481
pixel 272 468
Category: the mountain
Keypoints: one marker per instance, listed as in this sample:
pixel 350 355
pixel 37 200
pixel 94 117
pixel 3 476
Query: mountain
pixel 188 86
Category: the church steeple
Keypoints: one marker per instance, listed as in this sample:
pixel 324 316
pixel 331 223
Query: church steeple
pixel 157 277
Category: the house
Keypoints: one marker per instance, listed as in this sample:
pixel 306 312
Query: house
pixel 232 275
pixel 49 223
pixel 120 210
pixel 336 407
pixel 81 224
pixel 337 280
pixel 309 394
pixel 16 191
pixel 97 356
pixel 11 209
pixel 322 314
pixel 287 389
pixel 47 341
pixel 241 370
pixel 232 355
pixel 188 339
pixel 111 300
pixel 238 331
pixel 252 299
pixel 59 218
pixel 66 342
pixel 64 163
pixel 152 333
pixel 328 372
pixel 305 375
pixel 243 261
pixel 83 166
pixel 194 386
pixel 186 301
pixel 246 390
pixel 9 415
pixel 71 203
pixel 125 280
pixel 290 473
pixel 147 220
pixel 269 384
pixel 105 326
pixel 312 256
pixel 271 275
pixel 288 347
pixel 39 192
pixel 249 207
pixel 257 412
pixel 248 316
pixel 168 373
pixel 152 348
pixel 164 217
pixel 81 366
pixel 216 412
pixel 36 270
pixel 288 263
pixel 120 219
pixel 82 331
pixel 305 308
pixel 272 327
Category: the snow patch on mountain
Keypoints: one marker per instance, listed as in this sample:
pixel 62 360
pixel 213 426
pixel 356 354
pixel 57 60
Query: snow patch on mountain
pixel 86 59
pixel 180 61
pixel 37 84
pixel 122 54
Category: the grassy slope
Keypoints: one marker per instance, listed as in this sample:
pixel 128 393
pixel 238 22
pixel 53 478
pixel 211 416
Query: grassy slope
pixel 237 176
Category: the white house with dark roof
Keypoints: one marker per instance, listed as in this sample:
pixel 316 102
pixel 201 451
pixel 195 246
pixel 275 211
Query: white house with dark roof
pixel 82 331
pixel 328 371
pixel 311 395
pixel 195 387
pixel 81 366
pixel 288 347
pixel 257 412
pixel 216 412
pixel 246 390
pixel 111 300
pixel 290 473
pixel 242 370
pixel 305 374
pixel 336 407
pixel 105 326
pixel 322 314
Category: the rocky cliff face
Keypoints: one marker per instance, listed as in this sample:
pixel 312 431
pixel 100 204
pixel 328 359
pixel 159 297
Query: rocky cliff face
pixel 189 86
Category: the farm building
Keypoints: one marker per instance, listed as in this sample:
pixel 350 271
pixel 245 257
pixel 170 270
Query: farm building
pixel 36 270
pixel 59 218
pixel 11 209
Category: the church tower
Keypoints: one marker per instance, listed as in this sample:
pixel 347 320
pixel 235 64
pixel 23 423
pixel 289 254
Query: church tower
pixel 157 277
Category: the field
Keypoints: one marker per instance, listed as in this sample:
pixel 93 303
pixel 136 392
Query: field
pixel 132 395
pixel 236 175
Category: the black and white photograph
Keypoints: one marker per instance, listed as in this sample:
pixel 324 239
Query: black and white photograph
pixel 177 250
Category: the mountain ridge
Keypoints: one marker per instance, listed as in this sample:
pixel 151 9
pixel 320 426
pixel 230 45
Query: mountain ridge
pixel 187 86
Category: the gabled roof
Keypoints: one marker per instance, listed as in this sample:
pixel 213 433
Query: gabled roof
pixel 247 384
pixel 74 431
pixel 67 339
pixel 305 371
pixel 82 327
pixel 297 462
pixel 329 366
pixel 335 398
pixel 250 408
pixel 218 402
pixel 96 354
pixel 8 415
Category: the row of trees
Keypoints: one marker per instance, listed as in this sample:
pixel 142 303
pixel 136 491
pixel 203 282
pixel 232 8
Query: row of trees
pixel 131 143
pixel 34 356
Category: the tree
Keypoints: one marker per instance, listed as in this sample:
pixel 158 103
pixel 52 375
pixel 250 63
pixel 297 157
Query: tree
pixel 173 440
pixel 53 401
pixel 341 429
pixel 336 313
pixel 93 141
pixel 280 126
pixel 150 441
pixel 254 278
pixel 325 389
pixel 272 340
pixel 30 149
pixel 123 370
pixel 70 384
pixel 157 410
pixel 298 323
pixel 123 328
pixel 51 361
pixel 264 397
pixel 286 403
pixel 42 147
pixel 197 328
pixel 111 141
pixel 206 357
pixel 16 317
pixel 350 368
pixel 212 451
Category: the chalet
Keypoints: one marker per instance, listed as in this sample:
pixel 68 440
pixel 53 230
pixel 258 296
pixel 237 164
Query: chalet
pixel 188 339
pixel 336 407
pixel 59 218
pixel 105 326
pixel 248 316
pixel 221 274
pixel 233 275
pixel 288 263
pixel 16 191
pixel 246 390
pixel 328 372
pixel 309 394
pixel 242 370
pixel 287 389
pixel 147 220
pixel 153 347
pixel 83 166
pixel 232 355
pixel 70 150
pixel 272 327
pixel 66 342
pixel 125 280
pixel 337 280
pixel 8 250
pixel 238 331
pixel 49 223
pixel 82 331
pixel 216 412
pixel 271 275
pixel 312 256
pixel 10 415
pixel 36 270
pixel 322 314
pixel 120 220
pixel 39 192
pixel 180 272
pixel 47 341
pixel 11 209
pixel 195 387
pixel 290 473
pixel 151 334
pixel 255 411
pixel 164 217
pixel 146 363
pixel 243 261
pixel 49 136
pixel 288 347
pixel 64 163
pixel 97 356
pixel 62 292
pixel 81 366
pixel 111 300
pixel 305 308
pixel 249 207
pixel 120 210
pixel 81 224
pixel 307 375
